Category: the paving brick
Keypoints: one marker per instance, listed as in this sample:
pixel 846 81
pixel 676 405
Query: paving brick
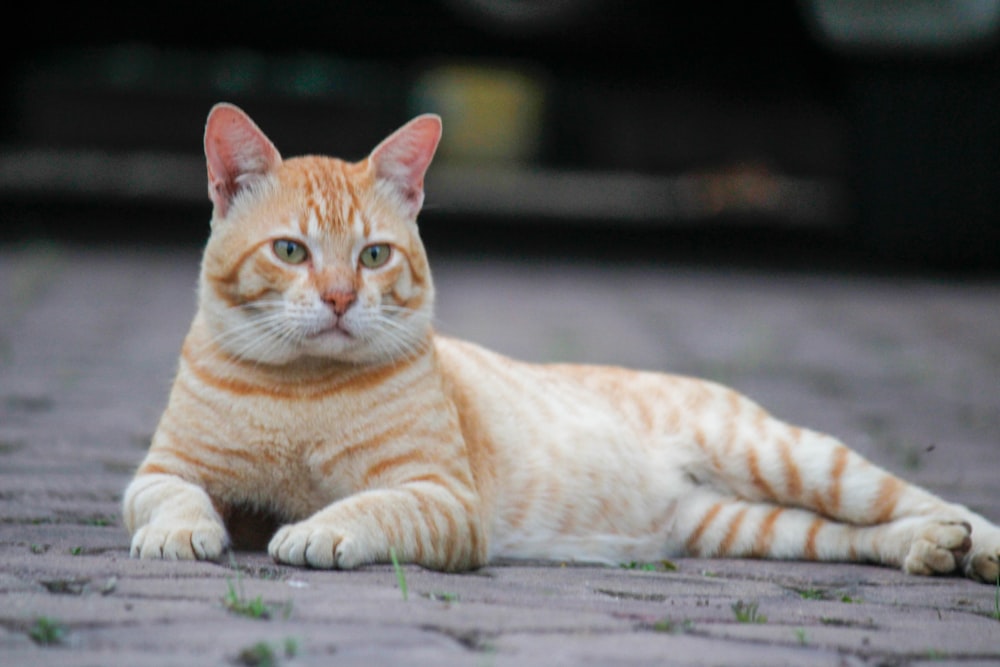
pixel 905 369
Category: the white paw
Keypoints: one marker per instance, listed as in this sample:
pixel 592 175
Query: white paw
pixel 983 561
pixel 204 540
pixel 938 547
pixel 314 544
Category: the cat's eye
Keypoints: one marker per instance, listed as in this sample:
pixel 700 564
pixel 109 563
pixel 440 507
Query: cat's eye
pixel 376 255
pixel 290 251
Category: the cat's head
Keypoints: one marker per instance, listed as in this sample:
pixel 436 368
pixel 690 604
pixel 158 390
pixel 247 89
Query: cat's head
pixel 314 257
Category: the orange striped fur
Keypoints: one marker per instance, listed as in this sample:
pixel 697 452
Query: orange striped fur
pixel 313 401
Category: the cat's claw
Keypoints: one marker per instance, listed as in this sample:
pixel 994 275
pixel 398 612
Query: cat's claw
pixel 206 540
pixel 938 548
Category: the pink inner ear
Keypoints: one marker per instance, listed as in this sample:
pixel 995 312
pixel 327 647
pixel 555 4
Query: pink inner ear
pixel 237 152
pixel 404 157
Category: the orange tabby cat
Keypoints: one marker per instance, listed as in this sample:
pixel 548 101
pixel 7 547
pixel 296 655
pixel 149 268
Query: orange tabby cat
pixel 313 392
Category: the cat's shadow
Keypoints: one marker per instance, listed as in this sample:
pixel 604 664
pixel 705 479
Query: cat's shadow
pixel 251 529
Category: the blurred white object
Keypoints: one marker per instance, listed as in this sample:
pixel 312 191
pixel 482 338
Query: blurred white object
pixel 905 25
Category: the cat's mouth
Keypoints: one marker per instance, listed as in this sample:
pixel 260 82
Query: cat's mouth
pixel 333 330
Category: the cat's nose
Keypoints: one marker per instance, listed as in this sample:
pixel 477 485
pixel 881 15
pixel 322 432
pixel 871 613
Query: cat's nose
pixel 340 300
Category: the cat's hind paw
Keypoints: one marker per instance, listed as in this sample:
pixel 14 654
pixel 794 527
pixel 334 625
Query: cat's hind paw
pixel 205 540
pixel 983 562
pixel 938 547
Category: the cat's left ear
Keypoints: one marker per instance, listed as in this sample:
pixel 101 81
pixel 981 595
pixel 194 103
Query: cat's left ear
pixel 403 158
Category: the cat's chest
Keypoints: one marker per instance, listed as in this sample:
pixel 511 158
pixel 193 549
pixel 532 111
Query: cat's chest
pixel 288 450
pixel 296 451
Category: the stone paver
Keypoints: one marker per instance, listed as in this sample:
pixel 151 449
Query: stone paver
pixel 906 370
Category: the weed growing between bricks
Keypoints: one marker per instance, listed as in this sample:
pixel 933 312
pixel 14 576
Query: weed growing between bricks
pixel 236 601
pixel 47 632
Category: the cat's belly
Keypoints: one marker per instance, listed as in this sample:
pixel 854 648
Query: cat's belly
pixel 577 468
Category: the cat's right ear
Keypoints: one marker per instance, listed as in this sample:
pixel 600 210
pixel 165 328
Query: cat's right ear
pixel 237 152
pixel 403 158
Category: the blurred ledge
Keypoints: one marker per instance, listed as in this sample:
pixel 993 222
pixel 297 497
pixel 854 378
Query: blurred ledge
pixel 744 192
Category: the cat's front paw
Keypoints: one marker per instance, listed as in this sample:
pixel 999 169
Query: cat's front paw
pixel 314 544
pixel 203 540
pixel 938 547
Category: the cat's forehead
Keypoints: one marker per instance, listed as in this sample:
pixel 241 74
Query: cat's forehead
pixel 326 195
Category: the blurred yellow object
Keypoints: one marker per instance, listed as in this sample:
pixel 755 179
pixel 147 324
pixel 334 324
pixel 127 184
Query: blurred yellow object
pixel 491 114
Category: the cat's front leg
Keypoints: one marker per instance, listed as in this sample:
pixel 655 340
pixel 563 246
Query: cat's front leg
pixel 420 523
pixel 173 519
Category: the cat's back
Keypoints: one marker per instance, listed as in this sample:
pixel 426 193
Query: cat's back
pixel 565 415
pixel 642 401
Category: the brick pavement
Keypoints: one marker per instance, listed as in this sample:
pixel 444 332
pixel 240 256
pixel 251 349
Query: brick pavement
pixel 906 370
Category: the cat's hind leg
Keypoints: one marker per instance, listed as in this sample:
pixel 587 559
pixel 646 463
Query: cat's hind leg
pixel 746 454
pixel 717 526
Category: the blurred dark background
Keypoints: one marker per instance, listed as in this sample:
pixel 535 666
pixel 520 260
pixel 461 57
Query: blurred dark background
pixel 803 132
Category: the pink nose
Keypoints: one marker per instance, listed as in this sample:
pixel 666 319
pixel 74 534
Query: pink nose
pixel 340 301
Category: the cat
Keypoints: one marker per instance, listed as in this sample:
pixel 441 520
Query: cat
pixel 315 410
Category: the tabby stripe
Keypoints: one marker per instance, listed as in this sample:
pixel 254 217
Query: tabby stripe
pixel 223 453
pixel 756 478
pixel 793 481
pixel 428 509
pixel 382 466
pixel 242 299
pixel 517 512
pixel 647 414
pixel 760 422
pixel 390 523
pixel 232 277
pixel 430 478
pixel 374 441
pixel 706 520
pixel 417 518
pixel 840 458
pixel 345 185
pixel 852 551
pixel 449 547
pixel 306 389
pixel 404 367
pixel 809 550
pixel 475 548
pixel 200 464
pixel 888 496
pixel 731 533
pixel 762 545
pixel 818 505
pixel 734 411
pixel 148 468
pixel 701 439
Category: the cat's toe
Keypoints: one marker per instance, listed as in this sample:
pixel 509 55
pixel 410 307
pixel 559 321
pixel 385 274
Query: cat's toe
pixel 983 562
pixel 305 545
pixel 311 545
pixel 283 547
pixel 321 550
pixel 984 567
pixel 206 540
pixel 938 548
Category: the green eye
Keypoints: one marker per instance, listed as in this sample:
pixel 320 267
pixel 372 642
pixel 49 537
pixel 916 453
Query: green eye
pixel 376 255
pixel 291 252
